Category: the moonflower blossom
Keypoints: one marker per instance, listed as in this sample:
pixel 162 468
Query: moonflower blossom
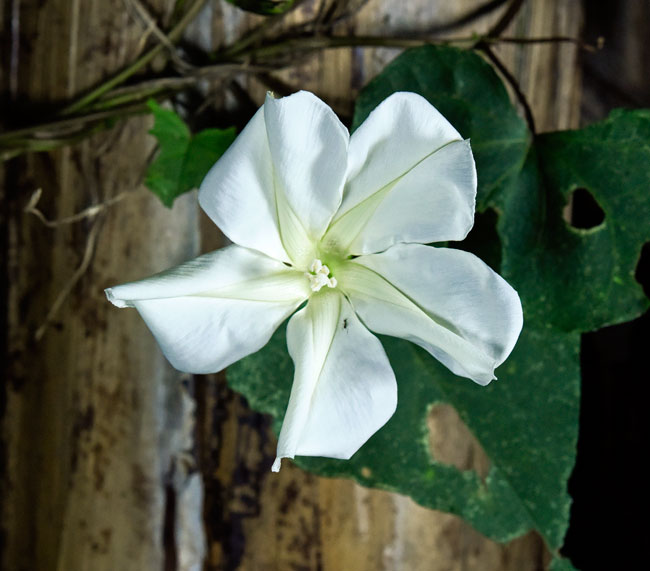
pixel 338 221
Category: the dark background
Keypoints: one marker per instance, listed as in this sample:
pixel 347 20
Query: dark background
pixel 609 483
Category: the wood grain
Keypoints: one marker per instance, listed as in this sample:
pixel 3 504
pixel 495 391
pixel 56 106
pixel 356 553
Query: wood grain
pixel 94 414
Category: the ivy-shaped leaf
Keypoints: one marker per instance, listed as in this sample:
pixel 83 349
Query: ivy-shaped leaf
pixel 569 280
pixel 264 7
pixel 183 159
pixel 586 276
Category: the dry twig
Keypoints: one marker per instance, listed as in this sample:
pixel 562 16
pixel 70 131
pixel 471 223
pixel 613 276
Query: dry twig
pixel 89 250
pixel 151 27
pixel 89 212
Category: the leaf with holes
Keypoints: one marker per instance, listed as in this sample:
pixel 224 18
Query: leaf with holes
pixel 183 159
pixel 570 280
pixel 586 277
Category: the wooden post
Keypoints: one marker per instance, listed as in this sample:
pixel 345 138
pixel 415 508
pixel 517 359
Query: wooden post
pixel 95 417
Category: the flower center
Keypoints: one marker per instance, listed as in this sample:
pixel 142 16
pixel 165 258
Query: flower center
pixel 318 275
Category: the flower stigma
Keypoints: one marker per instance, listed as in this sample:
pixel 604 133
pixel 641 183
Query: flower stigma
pixel 319 276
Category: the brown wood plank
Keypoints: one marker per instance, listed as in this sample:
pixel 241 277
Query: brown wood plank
pixel 94 414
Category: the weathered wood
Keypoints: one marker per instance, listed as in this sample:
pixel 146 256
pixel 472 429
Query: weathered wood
pixel 548 74
pixel 94 417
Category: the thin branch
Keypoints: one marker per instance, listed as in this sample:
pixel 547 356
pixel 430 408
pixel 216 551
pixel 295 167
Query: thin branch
pixel 255 35
pixel 156 88
pixel 545 40
pixel 336 12
pixel 20 146
pixel 174 35
pixel 323 8
pixel 89 250
pixel 151 25
pixel 89 212
pixel 468 17
pixel 46 130
pixel 293 44
pixel 127 101
pixel 46 137
pixel 507 17
pixel 515 86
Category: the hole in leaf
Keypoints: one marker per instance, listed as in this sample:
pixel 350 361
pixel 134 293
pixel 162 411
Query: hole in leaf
pixel 451 442
pixel 642 272
pixel 585 211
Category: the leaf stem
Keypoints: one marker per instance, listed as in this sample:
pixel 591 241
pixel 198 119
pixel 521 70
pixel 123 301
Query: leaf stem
pixel 528 112
pixel 108 102
pixel 508 16
pixel 255 35
pixel 43 129
pixel 174 35
pixel 295 43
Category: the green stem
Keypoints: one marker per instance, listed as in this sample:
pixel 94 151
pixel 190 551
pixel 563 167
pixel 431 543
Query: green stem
pixel 120 100
pixel 174 35
pixel 22 146
pixel 13 137
pixel 327 42
pixel 255 35
pixel 127 101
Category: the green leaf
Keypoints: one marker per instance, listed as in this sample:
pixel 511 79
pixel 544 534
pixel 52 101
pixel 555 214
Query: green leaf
pixel 516 428
pixel 587 276
pixel 561 564
pixel 183 159
pixel 569 280
pixel 264 7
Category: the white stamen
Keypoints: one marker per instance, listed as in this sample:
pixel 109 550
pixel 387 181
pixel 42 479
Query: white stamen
pixel 318 275
pixel 316 266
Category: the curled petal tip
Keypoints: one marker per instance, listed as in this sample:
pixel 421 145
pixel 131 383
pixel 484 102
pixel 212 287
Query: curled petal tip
pixel 114 300
pixel 276 465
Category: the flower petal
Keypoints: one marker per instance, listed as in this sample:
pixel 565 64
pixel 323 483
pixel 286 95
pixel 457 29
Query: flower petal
pixel 216 309
pixel 309 147
pixel 344 389
pixel 447 301
pixel 411 178
pixel 432 202
pixel 238 193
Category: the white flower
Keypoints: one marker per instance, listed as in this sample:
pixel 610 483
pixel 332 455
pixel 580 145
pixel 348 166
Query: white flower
pixel 338 221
